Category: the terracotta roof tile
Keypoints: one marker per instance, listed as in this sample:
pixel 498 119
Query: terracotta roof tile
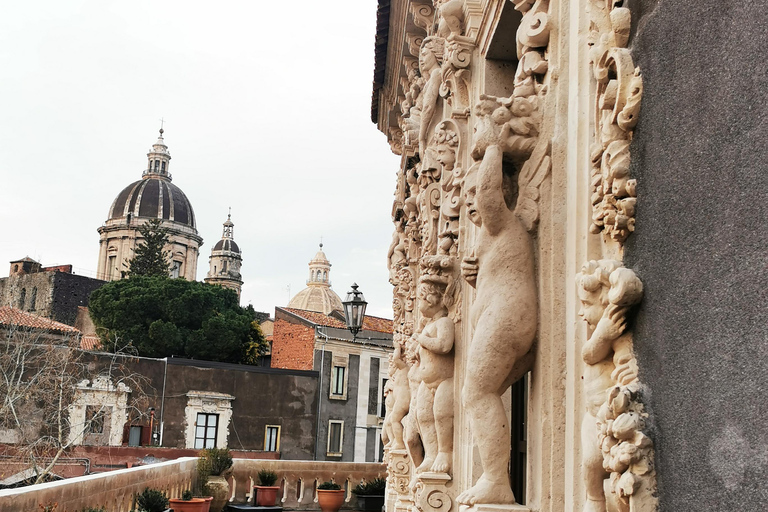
pixel 9 315
pixel 370 323
pixel 90 342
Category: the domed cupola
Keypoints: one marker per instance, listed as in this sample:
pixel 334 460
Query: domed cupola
pixel 154 196
pixel 151 197
pixel 318 296
pixel 226 260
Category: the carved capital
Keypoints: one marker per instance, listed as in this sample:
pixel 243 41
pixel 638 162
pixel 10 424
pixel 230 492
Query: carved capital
pixel 423 16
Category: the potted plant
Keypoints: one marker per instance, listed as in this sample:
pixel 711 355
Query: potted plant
pixel 187 503
pixel 151 500
pixel 213 467
pixel 370 495
pixel 266 491
pixel 330 496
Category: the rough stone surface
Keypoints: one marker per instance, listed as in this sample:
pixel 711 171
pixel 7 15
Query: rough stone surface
pixel 699 156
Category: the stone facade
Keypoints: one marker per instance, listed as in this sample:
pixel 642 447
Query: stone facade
pixel 552 154
pixel 514 121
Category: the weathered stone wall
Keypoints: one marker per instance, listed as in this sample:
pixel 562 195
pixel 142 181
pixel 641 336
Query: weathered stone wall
pixel 699 156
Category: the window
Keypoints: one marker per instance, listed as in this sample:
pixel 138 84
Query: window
pixel 206 428
pixel 94 419
pixel 134 435
pixel 337 380
pixel 22 298
pixel 383 405
pixel 176 270
pixel 33 299
pixel 162 167
pixel 272 438
pixel 111 268
pixel 335 437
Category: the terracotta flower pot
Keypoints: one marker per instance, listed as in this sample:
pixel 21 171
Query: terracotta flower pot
pixel 330 500
pixel 266 496
pixel 219 489
pixel 193 505
pixel 208 500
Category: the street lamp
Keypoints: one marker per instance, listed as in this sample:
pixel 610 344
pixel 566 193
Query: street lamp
pixel 354 309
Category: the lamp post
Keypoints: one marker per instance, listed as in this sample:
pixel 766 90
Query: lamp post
pixel 354 310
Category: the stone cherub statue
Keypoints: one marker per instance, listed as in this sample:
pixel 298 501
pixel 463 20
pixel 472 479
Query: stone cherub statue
pixel 435 394
pixel 430 62
pixel 504 315
pixel 606 291
pixel 400 392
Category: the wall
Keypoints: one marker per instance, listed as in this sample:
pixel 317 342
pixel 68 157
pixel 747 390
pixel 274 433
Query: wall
pixel 338 409
pixel 263 396
pixel 292 344
pixel 58 293
pixel 699 155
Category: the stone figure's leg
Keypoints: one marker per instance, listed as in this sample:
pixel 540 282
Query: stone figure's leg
pixel 495 350
pixel 398 413
pixel 412 439
pixel 592 459
pixel 444 426
pixel 426 416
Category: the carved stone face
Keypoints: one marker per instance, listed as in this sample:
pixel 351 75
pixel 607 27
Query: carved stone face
pixel 470 190
pixel 446 156
pixel 591 308
pixel 427 61
pixel 430 301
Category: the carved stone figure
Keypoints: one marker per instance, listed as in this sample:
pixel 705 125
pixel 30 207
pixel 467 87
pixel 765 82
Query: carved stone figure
pixel 435 398
pixel 387 434
pixel 412 433
pixel 505 311
pixel 612 438
pixel 402 396
pixel 430 61
pixel 396 256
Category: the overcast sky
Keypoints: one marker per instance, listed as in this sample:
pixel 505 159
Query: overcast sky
pixel 266 108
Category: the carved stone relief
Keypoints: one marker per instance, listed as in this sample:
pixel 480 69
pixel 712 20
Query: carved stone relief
pixel 617 455
pixel 617 105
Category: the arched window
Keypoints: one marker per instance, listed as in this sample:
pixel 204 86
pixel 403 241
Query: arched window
pixel 325 275
pixel 162 167
pixel 33 299
pixel 22 298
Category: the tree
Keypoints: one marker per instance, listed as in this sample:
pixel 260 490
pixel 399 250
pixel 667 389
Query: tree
pixel 163 317
pixel 52 394
pixel 151 258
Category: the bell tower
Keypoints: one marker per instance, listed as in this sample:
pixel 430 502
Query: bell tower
pixel 226 260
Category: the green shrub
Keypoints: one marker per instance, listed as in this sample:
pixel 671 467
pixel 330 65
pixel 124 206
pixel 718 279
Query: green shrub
pixel 329 486
pixel 218 460
pixel 203 472
pixel 186 495
pixel 375 487
pixel 151 500
pixel 267 478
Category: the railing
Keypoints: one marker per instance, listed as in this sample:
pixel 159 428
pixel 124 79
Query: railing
pixel 298 480
pixel 116 490
pixel 113 490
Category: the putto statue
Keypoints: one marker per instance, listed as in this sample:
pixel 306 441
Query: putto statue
pixel 501 267
pixel 435 395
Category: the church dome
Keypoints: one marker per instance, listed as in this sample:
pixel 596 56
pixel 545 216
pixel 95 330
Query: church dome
pixel 226 245
pixel 154 197
pixel 318 296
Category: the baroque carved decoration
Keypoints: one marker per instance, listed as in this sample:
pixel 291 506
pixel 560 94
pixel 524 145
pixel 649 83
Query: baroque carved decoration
pixel 617 105
pixel 617 455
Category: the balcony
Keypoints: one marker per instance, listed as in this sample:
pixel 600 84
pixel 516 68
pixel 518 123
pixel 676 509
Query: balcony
pixel 115 490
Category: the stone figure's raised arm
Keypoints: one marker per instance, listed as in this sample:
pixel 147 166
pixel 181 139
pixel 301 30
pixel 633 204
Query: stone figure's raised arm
pixel 490 194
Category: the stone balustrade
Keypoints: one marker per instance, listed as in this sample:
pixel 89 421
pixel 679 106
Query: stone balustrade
pixel 115 490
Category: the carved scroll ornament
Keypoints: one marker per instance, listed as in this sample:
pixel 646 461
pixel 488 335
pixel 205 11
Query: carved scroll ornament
pixel 617 104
